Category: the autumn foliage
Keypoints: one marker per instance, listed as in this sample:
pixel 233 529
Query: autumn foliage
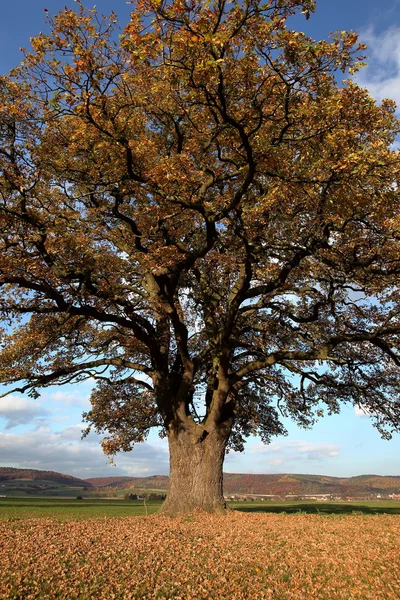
pixel 199 215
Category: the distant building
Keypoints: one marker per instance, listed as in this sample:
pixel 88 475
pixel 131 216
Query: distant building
pixel 308 497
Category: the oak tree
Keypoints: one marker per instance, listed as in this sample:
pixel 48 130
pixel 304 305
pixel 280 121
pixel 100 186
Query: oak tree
pixel 200 215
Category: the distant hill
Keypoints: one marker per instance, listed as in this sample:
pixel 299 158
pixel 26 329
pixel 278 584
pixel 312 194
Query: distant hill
pixel 115 482
pixel 290 484
pixel 279 484
pixel 234 483
pixel 9 474
pixel 154 482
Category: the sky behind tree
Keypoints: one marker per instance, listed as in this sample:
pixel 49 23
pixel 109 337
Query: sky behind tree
pixel 46 433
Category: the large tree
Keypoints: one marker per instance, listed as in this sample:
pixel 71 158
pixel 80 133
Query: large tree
pixel 197 213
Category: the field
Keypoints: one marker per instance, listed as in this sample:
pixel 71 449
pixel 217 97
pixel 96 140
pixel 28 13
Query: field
pixel 64 509
pixel 27 487
pixel 67 510
pixel 245 555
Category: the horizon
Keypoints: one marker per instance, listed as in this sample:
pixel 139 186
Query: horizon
pixel 224 472
pixel 46 433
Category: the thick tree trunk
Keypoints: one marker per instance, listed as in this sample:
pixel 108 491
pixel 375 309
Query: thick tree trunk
pixel 195 479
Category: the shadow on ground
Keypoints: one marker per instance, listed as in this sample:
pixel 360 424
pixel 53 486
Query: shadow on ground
pixel 322 508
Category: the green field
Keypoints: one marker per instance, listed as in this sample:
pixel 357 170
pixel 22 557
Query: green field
pixel 40 487
pixel 365 507
pixel 30 488
pixel 64 509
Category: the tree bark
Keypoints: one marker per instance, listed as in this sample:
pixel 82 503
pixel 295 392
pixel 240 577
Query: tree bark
pixel 196 477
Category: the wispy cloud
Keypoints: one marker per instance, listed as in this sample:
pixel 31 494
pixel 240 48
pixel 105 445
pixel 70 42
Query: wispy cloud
pixel 287 451
pixel 382 75
pixel 75 397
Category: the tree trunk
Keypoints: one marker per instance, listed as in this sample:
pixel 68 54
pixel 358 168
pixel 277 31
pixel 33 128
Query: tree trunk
pixel 195 479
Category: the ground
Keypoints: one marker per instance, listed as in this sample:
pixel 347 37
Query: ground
pixel 242 555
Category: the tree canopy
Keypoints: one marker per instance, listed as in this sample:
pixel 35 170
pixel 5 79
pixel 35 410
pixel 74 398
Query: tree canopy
pixel 197 213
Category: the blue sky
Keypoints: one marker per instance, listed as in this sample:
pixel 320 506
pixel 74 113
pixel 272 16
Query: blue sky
pixel 45 433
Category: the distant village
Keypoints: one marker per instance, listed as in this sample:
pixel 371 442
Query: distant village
pixel 308 497
pixel 238 487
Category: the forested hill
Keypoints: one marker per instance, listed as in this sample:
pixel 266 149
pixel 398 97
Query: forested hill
pixel 280 484
pixel 10 473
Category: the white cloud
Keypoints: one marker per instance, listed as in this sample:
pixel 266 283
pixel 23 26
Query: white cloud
pixel 70 398
pixel 361 411
pixel 232 456
pixel 73 433
pixel 382 75
pixel 20 411
pixel 65 452
pixel 296 450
